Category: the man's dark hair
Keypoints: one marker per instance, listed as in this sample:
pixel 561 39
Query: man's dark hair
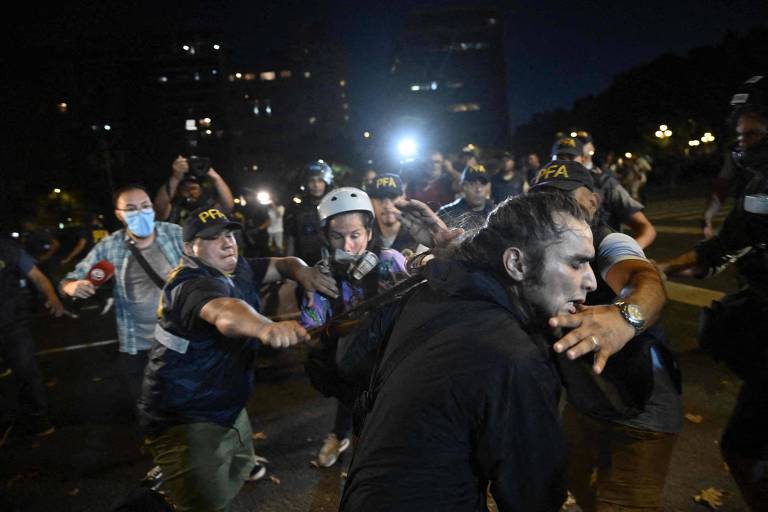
pixel 125 188
pixel 530 222
pixel 565 156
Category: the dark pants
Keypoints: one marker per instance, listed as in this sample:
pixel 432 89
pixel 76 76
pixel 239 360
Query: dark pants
pixel 18 351
pixel 342 422
pixel 132 372
pixel 614 467
pixel 745 445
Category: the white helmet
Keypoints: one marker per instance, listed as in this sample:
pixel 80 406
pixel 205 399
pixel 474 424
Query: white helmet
pixel 343 200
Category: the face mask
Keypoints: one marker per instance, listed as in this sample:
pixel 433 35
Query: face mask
pixel 346 265
pixel 141 223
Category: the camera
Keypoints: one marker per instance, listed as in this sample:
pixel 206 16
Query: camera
pixel 198 166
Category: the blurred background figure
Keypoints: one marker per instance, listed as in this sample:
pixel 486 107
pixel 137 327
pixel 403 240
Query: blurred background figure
pixel 507 182
pixel 471 210
pixel 276 213
pixel 91 233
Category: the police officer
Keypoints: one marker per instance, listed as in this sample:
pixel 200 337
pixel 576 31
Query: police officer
pixel 301 224
pixel 618 206
pixel 200 372
pixel 470 210
pixel 734 328
pixel 388 231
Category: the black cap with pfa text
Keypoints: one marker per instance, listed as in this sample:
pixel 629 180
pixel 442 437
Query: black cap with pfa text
pixel 386 185
pixel 565 175
pixel 207 222
pixel 568 146
pixel 475 174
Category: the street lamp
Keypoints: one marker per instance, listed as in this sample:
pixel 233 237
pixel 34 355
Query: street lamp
pixel 663 132
pixel 708 137
pixel 367 135
pixel 694 143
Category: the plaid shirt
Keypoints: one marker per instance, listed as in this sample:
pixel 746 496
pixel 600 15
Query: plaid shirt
pixel 113 249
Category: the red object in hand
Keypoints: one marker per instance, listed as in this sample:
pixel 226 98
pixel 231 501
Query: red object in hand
pixel 100 273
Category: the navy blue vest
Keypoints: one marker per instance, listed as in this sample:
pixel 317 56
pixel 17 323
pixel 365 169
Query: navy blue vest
pixel 198 375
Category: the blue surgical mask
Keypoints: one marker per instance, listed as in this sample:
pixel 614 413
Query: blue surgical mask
pixel 140 222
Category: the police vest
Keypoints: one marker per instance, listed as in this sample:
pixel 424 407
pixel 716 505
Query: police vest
pixel 198 376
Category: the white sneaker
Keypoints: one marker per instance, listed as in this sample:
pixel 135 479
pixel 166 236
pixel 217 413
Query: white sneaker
pixel 259 469
pixel 331 450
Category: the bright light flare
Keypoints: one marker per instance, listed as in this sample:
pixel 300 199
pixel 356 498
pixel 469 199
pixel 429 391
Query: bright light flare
pixel 407 147
pixel 263 198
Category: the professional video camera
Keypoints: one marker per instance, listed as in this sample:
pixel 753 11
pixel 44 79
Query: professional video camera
pixel 198 166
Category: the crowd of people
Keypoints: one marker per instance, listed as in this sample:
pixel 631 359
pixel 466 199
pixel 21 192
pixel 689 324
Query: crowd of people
pixel 451 304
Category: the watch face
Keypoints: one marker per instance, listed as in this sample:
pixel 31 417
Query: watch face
pixel 634 312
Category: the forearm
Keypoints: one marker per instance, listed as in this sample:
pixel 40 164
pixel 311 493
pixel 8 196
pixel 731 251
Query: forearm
pixel 43 285
pixel 643 232
pixel 685 261
pixel 226 199
pixel 234 318
pixel 288 267
pixel 164 197
pixel 645 289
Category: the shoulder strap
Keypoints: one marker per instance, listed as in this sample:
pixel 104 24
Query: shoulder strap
pixel 159 281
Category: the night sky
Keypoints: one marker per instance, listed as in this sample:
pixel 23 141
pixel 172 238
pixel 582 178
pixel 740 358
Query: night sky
pixel 556 51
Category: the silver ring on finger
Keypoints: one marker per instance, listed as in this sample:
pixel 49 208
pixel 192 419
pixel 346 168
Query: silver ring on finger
pixel 595 343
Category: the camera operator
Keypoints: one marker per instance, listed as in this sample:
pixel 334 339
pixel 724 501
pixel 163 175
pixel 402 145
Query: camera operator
pixel 187 190
pixel 733 329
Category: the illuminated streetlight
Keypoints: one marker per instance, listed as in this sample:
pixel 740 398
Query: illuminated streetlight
pixel 659 134
pixel 263 198
pixel 367 135
pixel 693 143
pixel 297 199
pixel 708 137
pixel 667 133
pixel 107 127
pixel 573 134
pixel 216 47
pixel 663 127
pixel 628 154
pixel 57 191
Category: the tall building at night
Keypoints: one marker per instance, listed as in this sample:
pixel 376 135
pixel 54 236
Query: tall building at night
pixel 448 78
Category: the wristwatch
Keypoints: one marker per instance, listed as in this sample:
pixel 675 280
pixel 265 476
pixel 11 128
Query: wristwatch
pixel 632 314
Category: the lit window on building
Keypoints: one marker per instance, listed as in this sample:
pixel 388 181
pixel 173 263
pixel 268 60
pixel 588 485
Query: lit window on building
pixel 268 107
pixel 267 75
pixel 196 76
pixel 190 125
pixel 346 117
pixel 454 85
pixel 312 120
pixel 256 109
pixel 307 74
pixel 463 47
pixel 249 76
pixel 345 106
pixel 162 79
pixel 343 83
pixel 62 107
pixel 286 73
pixel 214 71
pixel 429 86
pixel 491 21
pixel 206 121
pixel 464 107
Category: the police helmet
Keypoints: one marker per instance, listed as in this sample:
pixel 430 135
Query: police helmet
pixel 343 200
pixel 751 96
pixel 321 169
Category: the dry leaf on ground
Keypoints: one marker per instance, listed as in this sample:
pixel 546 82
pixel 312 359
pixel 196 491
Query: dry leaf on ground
pixel 694 418
pixel 710 497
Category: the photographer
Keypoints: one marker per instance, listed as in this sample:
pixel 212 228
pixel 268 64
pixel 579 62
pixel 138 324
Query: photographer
pixel 187 190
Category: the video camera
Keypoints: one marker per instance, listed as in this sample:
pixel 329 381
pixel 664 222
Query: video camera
pixel 198 166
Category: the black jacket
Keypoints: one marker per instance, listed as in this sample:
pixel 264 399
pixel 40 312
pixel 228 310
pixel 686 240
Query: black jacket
pixel 473 402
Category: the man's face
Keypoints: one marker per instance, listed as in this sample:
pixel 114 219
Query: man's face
pixel 370 175
pixel 565 276
pixel 316 186
pixel 436 164
pixel 476 192
pixel 219 251
pixel 347 232
pixel 131 200
pixel 190 191
pixel 587 199
pixel 533 161
pixel 750 130
pixel 589 150
pixel 384 208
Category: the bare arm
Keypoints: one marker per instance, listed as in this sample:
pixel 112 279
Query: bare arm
pixel 167 190
pixel 310 278
pixel 42 283
pixel 226 201
pixel 681 263
pixel 642 229
pixel 77 249
pixel 234 318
